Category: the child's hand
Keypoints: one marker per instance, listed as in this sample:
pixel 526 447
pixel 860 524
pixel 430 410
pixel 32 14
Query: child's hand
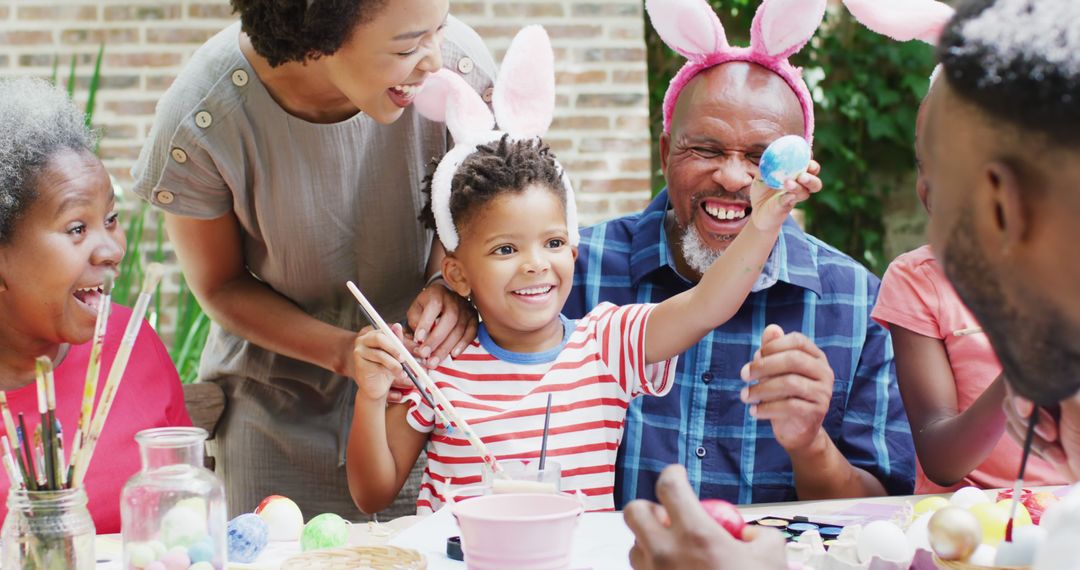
pixel 376 362
pixel 771 207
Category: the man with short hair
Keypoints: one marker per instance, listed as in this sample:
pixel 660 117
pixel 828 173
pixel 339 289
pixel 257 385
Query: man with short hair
pixel 756 414
pixel 1001 150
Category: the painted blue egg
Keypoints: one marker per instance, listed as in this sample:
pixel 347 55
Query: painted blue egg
pixel 248 535
pixel 785 159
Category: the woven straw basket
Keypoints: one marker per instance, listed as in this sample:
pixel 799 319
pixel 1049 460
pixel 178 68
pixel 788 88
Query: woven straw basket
pixel 358 558
pixel 955 565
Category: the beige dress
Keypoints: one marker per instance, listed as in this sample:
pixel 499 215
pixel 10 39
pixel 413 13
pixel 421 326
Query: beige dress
pixel 318 204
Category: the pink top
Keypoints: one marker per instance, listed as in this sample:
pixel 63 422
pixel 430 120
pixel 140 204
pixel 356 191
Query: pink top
pixel 149 396
pixel 916 295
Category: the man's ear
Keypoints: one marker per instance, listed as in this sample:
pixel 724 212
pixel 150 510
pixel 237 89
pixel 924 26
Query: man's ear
pixel 665 146
pixel 454 274
pixel 574 251
pixel 1010 214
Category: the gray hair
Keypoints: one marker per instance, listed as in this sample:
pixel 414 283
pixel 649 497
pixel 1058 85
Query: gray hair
pixel 37 121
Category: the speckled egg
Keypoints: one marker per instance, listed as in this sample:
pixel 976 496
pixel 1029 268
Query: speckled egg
pixel 248 535
pixel 785 159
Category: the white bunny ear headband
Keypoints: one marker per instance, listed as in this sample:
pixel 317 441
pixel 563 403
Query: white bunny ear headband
pixel 780 29
pixel 524 102
pixel 904 20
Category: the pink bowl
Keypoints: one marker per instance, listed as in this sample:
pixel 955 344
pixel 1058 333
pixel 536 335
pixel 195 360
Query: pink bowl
pixel 525 531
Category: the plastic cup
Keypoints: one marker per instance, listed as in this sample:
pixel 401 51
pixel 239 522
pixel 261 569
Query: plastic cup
pixel 524 477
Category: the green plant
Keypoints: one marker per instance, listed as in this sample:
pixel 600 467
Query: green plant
pixel 867 90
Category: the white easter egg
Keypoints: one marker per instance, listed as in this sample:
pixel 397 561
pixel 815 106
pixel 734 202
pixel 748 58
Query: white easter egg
pixel 884 540
pixel 282 516
pixel 967 497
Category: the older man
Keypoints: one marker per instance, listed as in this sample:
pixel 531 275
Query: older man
pixel 816 412
pixel 1002 154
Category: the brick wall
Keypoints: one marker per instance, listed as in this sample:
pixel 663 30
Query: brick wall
pixel 601 122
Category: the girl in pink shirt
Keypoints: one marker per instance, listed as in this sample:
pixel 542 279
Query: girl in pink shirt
pixel 949 377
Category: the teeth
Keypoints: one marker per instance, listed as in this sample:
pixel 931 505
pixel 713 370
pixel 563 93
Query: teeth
pixel 533 291
pixel 725 214
pixel 407 90
pixel 89 290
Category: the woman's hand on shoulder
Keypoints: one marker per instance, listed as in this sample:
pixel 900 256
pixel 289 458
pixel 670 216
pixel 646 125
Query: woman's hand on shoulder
pixel 443 324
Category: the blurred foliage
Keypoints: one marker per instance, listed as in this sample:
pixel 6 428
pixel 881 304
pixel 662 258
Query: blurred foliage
pixel 866 90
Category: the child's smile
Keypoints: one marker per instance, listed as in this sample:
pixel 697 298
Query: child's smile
pixel 515 262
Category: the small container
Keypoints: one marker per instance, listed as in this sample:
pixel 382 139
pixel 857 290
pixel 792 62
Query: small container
pixel 173 508
pixel 48 530
pixel 524 477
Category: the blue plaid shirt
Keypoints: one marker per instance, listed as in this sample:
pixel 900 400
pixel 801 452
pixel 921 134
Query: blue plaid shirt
pixel 702 424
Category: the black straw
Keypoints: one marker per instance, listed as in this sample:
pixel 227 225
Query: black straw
pixel 543 439
pixel 1029 438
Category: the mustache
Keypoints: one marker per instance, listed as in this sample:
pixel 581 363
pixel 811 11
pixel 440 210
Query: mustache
pixel 741 195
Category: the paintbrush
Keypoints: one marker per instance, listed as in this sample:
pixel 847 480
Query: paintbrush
pixel 93 367
pixel 1029 438
pixel 31 472
pixel 17 481
pixel 412 377
pixel 55 445
pixel 543 438
pixel 43 368
pixel 12 435
pixel 116 372
pixel 433 389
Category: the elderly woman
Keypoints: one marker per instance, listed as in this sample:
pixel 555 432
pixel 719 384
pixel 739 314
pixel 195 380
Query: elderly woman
pixel 59 238
pixel 288 161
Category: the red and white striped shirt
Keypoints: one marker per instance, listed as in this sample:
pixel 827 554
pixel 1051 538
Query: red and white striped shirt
pixel 592 377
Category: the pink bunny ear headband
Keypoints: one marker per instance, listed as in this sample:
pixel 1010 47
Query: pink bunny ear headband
pixel 904 20
pixel 780 29
pixel 524 103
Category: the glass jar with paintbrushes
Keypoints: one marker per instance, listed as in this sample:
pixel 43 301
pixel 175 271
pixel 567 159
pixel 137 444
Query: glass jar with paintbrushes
pixel 48 524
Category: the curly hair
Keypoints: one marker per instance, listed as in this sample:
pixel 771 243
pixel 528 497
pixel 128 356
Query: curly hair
pixel 37 121
pixel 493 170
pixel 1018 61
pixel 297 30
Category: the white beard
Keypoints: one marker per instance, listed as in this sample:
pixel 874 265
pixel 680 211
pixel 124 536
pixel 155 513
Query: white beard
pixel 697 254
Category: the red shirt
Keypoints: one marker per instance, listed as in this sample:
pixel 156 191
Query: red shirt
pixel 149 396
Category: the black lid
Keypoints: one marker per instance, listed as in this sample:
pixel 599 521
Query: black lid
pixel 453 548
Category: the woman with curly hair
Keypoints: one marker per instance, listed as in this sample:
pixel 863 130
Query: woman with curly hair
pixel 287 160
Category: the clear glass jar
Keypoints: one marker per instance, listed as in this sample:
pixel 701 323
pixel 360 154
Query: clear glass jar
pixel 48 530
pixel 173 509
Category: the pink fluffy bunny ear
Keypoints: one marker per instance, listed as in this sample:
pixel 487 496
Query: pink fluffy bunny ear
pixel 903 20
pixel 447 97
pixel 782 27
pixel 524 95
pixel 689 27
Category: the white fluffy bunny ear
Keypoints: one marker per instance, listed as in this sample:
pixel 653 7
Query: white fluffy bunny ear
pixel 524 95
pixel 689 27
pixel 782 27
pixel 447 97
pixel 903 20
